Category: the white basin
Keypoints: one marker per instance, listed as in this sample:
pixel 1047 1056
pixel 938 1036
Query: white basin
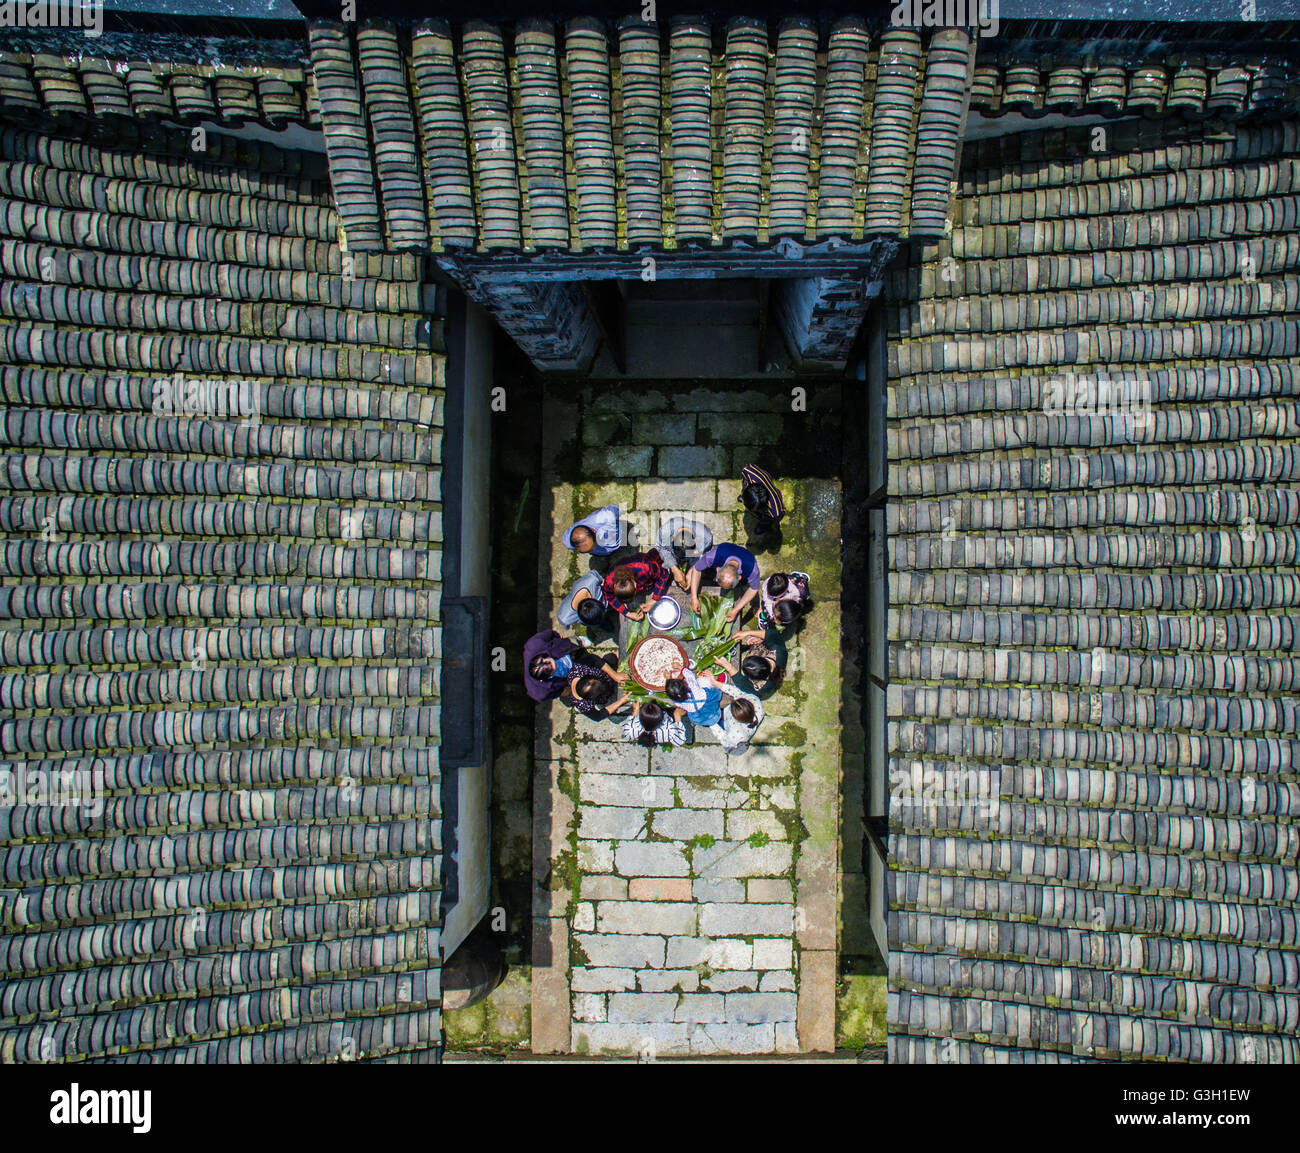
pixel 665 613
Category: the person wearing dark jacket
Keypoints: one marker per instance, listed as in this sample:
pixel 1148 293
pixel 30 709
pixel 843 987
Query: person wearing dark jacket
pixel 548 661
pixel 556 667
pixel 763 659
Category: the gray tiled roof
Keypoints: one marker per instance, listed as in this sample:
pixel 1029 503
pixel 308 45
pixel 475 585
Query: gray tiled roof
pixel 1142 77
pixel 229 628
pixel 590 135
pixel 1093 706
pixel 1093 701
pixel 118 83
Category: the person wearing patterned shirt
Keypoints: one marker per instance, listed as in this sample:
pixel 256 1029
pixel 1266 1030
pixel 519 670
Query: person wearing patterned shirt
pixel 742 713
pixel 594 689
pixel 645 572
pixel 652 724
pixel 760 495
pixel 784 598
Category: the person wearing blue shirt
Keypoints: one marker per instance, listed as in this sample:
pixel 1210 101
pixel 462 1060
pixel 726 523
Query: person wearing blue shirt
pixel 699 697
pixel 599 533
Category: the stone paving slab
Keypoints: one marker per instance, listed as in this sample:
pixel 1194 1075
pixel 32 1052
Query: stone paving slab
pixel 551 1007
pixel 714 889
pixel 688 824
pixel 681 495
pixel 816 1009
pixel 660 889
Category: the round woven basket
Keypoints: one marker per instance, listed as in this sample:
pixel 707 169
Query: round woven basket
pixel 658 637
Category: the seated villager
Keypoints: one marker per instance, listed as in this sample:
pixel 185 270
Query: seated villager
pixel 785 598
pixel 742 713
pixel 594 691
pixel 730 567
pixel 682 542
pixel 698 696
pixel 761 496
pixel 548 659
pixel 551 661
pixel 763 659
pixel 585 604
pixel 599 533
pixel 642 573
pixel 652 725
pixel 596 614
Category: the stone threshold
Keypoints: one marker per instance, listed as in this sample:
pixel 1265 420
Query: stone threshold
pixel 840 1057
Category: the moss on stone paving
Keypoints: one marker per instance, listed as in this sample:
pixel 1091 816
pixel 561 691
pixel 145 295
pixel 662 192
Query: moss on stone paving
pixel 861 1001
pixel 499 1023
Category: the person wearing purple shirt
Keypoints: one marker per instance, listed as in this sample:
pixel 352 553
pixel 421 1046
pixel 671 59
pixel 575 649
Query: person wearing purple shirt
pixel 557 655
pixel 734 565
pixel 553 663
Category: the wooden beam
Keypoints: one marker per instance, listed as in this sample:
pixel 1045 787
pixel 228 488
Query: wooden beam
pixel 738 261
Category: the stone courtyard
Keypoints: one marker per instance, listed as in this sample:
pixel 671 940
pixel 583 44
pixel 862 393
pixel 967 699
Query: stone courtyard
pixel 686 902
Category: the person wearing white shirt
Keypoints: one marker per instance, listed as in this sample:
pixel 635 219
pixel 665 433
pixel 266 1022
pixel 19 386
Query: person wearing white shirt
pixel 741 716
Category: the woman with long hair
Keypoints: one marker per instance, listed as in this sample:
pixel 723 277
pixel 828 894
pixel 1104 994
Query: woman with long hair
pixel 740 717
pixel 652 724
pixel 784 598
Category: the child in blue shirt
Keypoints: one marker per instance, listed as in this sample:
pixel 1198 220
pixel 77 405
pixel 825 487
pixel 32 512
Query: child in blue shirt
pixel 699 696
